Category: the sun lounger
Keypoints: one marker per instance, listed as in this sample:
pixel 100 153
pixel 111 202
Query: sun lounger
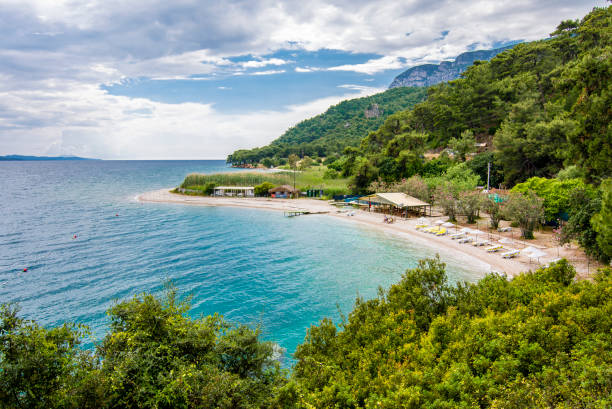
pixel 432 230
pixel 504 229
pixel 466 240
pixel 441 232
pixel 421 226
pixel 480 243
pixel 457 236
pixel 510 254
pixel 493 249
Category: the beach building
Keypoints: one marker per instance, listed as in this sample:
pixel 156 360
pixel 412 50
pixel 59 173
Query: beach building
pixel 236 191
pixel 284 192
pixel 397 203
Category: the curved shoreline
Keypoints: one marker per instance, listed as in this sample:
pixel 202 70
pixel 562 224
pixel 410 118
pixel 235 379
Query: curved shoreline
pixel 404 229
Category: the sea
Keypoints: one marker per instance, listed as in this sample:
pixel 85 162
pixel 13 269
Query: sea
pixel 87 243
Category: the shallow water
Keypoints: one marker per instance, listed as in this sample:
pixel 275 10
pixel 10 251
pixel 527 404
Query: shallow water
pixel 252 266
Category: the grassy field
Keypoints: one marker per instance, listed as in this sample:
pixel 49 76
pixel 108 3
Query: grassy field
pixel 308 179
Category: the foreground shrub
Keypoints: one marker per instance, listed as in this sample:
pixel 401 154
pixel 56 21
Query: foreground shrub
pixel 537 341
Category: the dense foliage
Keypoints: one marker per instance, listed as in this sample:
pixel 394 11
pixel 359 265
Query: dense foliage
pixel 153 357
pixel 537 341
pixel 538 107
pixel 555 193
pixel 540 340
pixel 342 125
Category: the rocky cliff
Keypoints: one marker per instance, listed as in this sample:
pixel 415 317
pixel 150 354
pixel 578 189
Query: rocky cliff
pixel 430 74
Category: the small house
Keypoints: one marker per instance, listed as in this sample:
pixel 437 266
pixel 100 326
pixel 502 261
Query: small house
pixel 284 192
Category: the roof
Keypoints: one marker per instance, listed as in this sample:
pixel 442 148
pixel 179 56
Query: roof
pixel 283 188
pixel 235 187
pixel 396 199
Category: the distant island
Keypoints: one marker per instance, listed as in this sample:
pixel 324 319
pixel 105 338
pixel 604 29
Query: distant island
pixel 24 158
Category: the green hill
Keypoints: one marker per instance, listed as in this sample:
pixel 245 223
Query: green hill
pixel 342 125
pixel 539 107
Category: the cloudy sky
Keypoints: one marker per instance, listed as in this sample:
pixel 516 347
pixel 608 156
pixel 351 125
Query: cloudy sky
pixel 185 79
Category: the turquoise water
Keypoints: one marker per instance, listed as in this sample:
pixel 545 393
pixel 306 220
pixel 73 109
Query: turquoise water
pixel 252 266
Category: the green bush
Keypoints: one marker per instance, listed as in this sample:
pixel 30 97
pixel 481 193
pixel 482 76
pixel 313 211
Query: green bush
pixel 262 189
pixel 538 340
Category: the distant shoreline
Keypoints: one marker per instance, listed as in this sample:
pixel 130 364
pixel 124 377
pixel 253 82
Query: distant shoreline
pixel 25 158
pixel 405 229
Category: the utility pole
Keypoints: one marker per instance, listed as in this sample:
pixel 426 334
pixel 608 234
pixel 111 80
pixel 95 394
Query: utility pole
pixel 488 175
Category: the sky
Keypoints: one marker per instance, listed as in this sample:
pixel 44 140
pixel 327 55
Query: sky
pixel 183 79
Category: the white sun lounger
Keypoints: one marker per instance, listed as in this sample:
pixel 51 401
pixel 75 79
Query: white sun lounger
pixel 493 249
pixel 466 240
pixel 510 254
pixel 480 243
pixel 457 235
pixel 504 229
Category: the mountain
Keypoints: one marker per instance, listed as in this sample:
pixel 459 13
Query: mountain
pixel 431 74
pixel 24 158
pixel 342 125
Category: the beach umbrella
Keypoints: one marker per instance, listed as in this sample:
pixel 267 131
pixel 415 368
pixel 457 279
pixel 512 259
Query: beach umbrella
pixel 439 222
pixel 448 224
pixel 537 254
pixel 529 249
pixel 422 220
pixel 477 233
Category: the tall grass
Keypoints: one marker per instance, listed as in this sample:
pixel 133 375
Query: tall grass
pixel 308 179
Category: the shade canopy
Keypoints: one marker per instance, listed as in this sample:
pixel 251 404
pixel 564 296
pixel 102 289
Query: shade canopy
pixel 537 254
pixel 284 188
pixel 505 240
pixel 529 249
pixel 400 200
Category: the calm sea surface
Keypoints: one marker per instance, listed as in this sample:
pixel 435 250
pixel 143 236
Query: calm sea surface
pixel 252 266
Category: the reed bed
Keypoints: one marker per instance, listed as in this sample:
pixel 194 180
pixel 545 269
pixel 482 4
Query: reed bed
pixel 309 179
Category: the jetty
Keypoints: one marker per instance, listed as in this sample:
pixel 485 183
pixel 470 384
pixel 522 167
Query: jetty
pixel 295 213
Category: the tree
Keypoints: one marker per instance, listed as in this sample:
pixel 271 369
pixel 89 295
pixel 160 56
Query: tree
pixel 470 203
pixel 306 162
pixel 602 221
pixel 262 189
pixel 293 160
pixel 464 145
pixel 495 210
pixel 527 210
pixel 584 203
pixel 555 193
pixel 43 368
pixel 267 162
pixel 445 196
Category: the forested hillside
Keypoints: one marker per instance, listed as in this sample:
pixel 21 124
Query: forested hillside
pixel 540 107
pixel 342 125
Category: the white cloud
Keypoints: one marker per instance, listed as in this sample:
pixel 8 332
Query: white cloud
pixel 86 121
pixel 263 63
pixel 371 66
pixel 55 54
pixel 307 69
pixel 267 72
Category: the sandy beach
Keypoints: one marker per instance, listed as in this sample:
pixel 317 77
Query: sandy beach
pixel 405 229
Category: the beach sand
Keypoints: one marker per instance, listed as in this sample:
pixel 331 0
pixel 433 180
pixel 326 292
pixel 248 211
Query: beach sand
pixel 405 229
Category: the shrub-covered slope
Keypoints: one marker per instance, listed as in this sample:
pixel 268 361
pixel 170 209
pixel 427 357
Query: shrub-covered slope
pixel 342 125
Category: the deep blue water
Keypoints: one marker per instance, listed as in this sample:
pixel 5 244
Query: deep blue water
pixel 252 266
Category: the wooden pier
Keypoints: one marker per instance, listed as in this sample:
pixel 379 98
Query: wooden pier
pixel 295 213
